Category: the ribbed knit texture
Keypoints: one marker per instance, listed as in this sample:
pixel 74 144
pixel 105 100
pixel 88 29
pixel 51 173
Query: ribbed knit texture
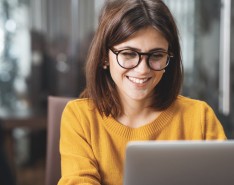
pixel 93 147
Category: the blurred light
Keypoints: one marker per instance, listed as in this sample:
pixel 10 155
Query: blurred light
pixel 62 65
pixel 10 25
pixel 20 85
pixel 2 41
pixel 36 58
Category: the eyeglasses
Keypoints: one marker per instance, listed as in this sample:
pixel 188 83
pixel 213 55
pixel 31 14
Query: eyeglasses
pixel 128 59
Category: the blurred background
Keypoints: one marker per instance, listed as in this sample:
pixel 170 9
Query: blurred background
pixel 43 48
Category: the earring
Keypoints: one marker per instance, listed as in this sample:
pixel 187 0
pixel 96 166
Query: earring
pixel 164 70
pixel 105 65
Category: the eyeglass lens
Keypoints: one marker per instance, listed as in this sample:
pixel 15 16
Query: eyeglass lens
pixel 130 59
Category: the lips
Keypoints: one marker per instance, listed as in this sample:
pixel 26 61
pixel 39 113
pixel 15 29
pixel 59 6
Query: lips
pixel 138 80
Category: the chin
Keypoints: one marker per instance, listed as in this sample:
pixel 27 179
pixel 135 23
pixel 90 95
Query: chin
pixel 139 97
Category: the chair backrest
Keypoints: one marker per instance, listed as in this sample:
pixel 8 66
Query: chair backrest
pixel 53 168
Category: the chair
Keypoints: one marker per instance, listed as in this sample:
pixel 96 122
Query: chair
pixel 53 168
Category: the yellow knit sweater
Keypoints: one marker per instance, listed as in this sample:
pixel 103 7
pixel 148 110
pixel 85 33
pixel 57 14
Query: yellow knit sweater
pixel 92 147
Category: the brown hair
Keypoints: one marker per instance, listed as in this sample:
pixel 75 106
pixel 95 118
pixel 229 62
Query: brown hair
pixel 119 19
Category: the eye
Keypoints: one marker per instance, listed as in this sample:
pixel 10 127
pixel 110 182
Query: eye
pixel 128 54
pixel 157 56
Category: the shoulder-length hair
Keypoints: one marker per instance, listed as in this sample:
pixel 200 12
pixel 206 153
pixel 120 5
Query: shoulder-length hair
pixel 120 19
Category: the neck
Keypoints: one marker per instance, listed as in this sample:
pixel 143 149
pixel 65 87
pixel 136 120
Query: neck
pixel 137 113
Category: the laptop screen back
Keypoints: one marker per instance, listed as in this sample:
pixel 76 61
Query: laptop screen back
pixel 179 163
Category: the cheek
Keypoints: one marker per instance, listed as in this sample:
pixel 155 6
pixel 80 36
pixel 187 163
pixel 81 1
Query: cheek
pixel 117 73
pixel 112 68
pixel 112 64
pixel 113 74
pixel 114 71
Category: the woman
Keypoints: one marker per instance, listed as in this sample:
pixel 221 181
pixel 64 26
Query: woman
pixel 134 75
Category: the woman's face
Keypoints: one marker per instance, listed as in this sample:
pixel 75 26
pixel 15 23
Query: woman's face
pixel 137 83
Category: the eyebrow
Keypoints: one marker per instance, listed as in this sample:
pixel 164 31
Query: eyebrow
pixel 137 49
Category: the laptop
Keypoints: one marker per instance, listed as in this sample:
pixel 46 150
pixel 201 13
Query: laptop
pixel 179 163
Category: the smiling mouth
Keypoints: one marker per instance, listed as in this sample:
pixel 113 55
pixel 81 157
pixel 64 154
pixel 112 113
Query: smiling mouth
pixel 138 80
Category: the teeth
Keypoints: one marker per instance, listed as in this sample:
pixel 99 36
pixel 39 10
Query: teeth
pixel 137 80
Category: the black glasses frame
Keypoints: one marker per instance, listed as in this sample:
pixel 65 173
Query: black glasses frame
pixel 140 58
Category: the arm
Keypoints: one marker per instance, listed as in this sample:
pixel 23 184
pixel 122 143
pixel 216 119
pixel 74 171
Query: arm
pixel 78 163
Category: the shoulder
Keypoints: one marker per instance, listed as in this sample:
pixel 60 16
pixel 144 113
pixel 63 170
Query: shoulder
pixel 192 107
pixel 80 115
pixel 84 104
pixel 80 107
pixel 185 102
pixel 197 111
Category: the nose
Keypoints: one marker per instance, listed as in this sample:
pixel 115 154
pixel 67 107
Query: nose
pixel 143 67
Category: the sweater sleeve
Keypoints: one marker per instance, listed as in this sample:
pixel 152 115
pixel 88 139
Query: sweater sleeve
pixel 78 163
pixel 212 129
